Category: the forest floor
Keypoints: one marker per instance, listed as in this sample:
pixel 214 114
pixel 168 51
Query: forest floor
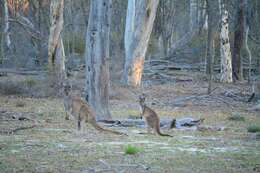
pixel 49 143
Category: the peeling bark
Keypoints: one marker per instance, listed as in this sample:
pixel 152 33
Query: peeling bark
pixel 226 58
pixel 139 25
pixel 56 55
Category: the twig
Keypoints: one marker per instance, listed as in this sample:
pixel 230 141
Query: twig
pixel 214 90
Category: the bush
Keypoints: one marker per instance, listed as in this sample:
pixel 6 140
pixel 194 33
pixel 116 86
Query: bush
pixel 27 87
pixel 253 128
pixel 11 88
pixel 131 150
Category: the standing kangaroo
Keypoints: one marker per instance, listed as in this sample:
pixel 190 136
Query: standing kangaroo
pixel 255 91
pixel 74 105
pixel 151 118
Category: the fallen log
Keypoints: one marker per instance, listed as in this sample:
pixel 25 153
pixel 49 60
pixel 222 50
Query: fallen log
pixel 8 132
pixel 20 72
pixel 164 123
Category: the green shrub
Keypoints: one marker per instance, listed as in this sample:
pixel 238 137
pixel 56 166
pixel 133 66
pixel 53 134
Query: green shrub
pixel 258 135
pixel 131 150
pixel 253 128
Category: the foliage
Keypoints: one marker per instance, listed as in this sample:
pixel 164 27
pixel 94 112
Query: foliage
pixel 253 128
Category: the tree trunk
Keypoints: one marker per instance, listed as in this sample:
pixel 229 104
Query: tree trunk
pixel 193 14
pixel 56 55
pixel 40 49
pixel 238 42
pixel 139 25
pixel 210 45
pixel 6 28
pixel 225 52
pixel 5 40
pixel 249 55
pixel 257 25
pixel 97 55
pixel 202 16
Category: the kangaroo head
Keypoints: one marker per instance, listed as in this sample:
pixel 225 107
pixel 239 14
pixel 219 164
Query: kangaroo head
pixel 67 88
pixel 142 99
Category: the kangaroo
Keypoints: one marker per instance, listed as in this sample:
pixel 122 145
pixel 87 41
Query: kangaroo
pixel 74 105
pixel 255 91
pixel 150 116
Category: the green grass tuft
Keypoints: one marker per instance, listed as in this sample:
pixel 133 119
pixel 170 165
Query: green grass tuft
pixel 236 117
pixel 253 128
pixel 30 82
pixel 132 150
pixel 20 103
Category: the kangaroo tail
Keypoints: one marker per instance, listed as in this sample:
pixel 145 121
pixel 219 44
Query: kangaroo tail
pixel 251 97
pixel 99 128
pixel 160 133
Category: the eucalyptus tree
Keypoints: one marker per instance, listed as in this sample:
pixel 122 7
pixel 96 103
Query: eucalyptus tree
pixel 138 28
pixel 56 55
pixel 225 51
pixel 97 55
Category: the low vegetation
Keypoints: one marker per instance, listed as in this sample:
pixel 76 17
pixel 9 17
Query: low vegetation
pixel 253 128
pixel 236 117
pixel 129 149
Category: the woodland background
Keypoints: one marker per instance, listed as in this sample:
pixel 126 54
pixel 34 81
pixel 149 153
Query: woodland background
pixel 185 74
pixel 179 34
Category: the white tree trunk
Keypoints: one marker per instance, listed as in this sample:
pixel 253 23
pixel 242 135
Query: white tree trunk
pixel 97 54
pixel 202 15
pixel 139 25
pixel 193 14
pixel 6 28
pixel 56 55
pixel 226 58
